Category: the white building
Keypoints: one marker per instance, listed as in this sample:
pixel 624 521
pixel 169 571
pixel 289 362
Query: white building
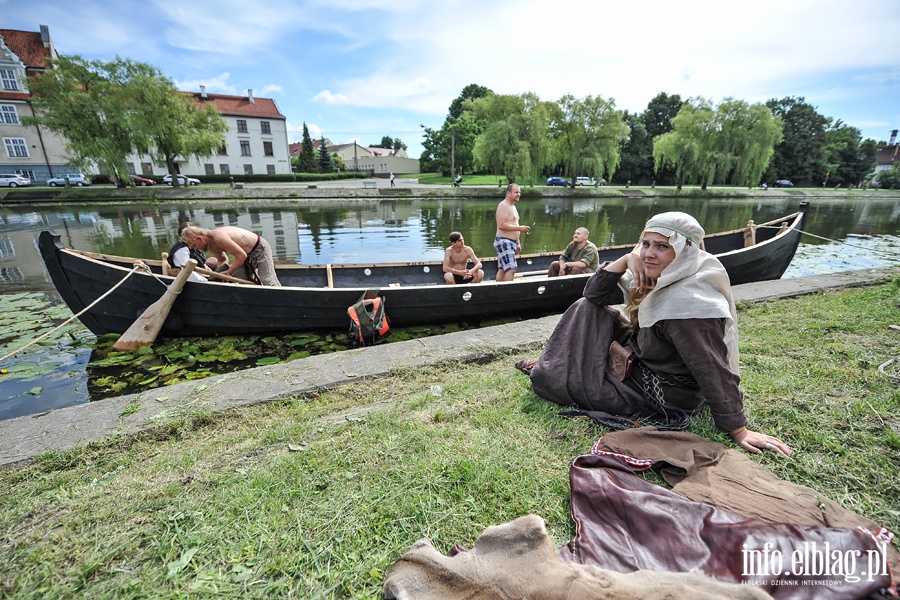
pixel 255 143
pixel 30 151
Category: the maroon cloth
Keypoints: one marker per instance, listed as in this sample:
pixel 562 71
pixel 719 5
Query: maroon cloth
pixel 625 523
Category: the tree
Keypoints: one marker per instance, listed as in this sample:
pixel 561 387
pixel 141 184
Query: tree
pixel 174 125
pixel 636 163
pixel 306 161
pixel 657 120
pixel 108 110
pixel 889 179
pixel 732 143
pixel 799 157
pixel 587 134
pixel 87 103
pixel 847 158
pixel 325 163
pixel 514 139
pixel 472 91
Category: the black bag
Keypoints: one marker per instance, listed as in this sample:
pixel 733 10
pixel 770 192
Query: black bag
pixel 368 321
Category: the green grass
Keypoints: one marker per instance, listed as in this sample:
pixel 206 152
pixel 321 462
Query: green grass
pixel 316 497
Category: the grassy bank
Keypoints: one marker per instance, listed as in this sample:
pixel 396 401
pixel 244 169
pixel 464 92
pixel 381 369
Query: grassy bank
pixel 317 497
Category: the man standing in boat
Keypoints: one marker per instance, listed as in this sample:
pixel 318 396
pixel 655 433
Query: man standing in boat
pixel 252 254
pixel 506 241
pixel 456 262
pixel 579 257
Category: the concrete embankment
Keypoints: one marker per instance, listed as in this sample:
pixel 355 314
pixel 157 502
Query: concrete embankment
pixel 23 438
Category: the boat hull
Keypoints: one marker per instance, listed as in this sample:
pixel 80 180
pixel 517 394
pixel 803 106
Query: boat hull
pixel 414 293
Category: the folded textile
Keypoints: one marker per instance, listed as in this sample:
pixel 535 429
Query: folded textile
pixel 625 523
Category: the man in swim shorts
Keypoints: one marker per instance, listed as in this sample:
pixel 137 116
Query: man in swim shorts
pixel 506 241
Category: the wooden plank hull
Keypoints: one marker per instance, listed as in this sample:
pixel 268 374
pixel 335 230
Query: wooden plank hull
pixel 414 293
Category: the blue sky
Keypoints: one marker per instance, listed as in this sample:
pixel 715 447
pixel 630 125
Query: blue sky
pixel 362 69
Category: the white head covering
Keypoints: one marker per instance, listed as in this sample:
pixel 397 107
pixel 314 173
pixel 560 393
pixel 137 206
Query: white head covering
pixel 694 285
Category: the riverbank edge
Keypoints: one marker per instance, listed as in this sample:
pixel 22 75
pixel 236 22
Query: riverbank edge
pixel 24 438
pixel 344 191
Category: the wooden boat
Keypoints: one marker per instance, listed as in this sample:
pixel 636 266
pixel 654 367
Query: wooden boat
pixel 317 296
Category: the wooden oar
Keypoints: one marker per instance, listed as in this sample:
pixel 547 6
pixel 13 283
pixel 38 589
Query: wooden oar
pixel 223 276
pixel 144 331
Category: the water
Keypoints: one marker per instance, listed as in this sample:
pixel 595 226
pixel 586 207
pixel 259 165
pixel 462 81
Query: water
pixel 54 373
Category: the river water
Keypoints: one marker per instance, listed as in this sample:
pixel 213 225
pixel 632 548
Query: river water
pixel 845 234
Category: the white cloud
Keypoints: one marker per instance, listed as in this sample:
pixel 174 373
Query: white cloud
pixel 328 97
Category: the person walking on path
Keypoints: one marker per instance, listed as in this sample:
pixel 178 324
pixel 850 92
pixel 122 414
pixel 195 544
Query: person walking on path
pixel 392 180
pixel 506 240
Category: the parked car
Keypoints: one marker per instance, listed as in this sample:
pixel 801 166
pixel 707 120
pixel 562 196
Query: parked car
pixel 13 180
pixel 557 181
pixel 77 179
pixel 585 181
pixel 783 183
pixel 136 180
pixel 181 179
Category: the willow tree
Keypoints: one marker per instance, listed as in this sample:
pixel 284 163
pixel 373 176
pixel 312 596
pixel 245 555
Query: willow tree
pixel 108 110
pixel 588 133
pixel 514 140
pixel 86 103
pixel 732 143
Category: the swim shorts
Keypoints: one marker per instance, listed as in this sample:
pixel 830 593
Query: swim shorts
pixel 506 253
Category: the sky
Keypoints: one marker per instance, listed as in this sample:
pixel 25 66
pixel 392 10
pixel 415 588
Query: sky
pixel 358 70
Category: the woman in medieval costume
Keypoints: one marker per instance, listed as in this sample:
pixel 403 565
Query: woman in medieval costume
pixel 653 340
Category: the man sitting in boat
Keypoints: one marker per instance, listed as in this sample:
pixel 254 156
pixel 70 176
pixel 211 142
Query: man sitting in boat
pixel 579 257
pixel 252 254
pixel 456 262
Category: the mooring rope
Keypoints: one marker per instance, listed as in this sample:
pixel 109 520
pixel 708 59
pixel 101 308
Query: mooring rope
pixel 138 266
pixel 886 252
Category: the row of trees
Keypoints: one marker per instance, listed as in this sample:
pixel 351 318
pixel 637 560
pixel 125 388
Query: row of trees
pixel 672 142
pixel 107 110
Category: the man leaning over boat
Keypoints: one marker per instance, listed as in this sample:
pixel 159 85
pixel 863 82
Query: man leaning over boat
pixel 252 254
pixel 579 257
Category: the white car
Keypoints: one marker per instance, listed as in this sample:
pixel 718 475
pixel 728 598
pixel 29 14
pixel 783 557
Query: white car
pixel 13 180
pixel 588 181
pixel 181 179
pixel 76 179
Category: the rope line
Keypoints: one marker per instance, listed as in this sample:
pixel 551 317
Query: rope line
pixel 887 252
pixel 138 266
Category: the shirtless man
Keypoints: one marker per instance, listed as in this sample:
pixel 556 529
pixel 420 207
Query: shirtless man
pixel 456 262
pixel 252 254
pixel 506 242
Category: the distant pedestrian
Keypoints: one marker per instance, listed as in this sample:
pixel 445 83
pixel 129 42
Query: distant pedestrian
pixel 392 180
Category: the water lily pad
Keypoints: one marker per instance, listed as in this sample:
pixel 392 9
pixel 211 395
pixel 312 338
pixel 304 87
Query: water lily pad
pixel 269 360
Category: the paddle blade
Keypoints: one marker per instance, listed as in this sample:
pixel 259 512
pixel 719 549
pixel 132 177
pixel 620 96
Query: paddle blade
pixel 144 331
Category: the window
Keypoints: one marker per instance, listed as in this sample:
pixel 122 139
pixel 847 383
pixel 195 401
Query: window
pixel 248 169
pixel 9 79
pixel 209 168
pixel 6 247
pixel 265 127
pixel 8 114
pixel 224 170
pixel 29 173
pixel 245 148
pixel 223 150
pixel 242 126
pixel 267 149
pixel 16 147
pixel 270 169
